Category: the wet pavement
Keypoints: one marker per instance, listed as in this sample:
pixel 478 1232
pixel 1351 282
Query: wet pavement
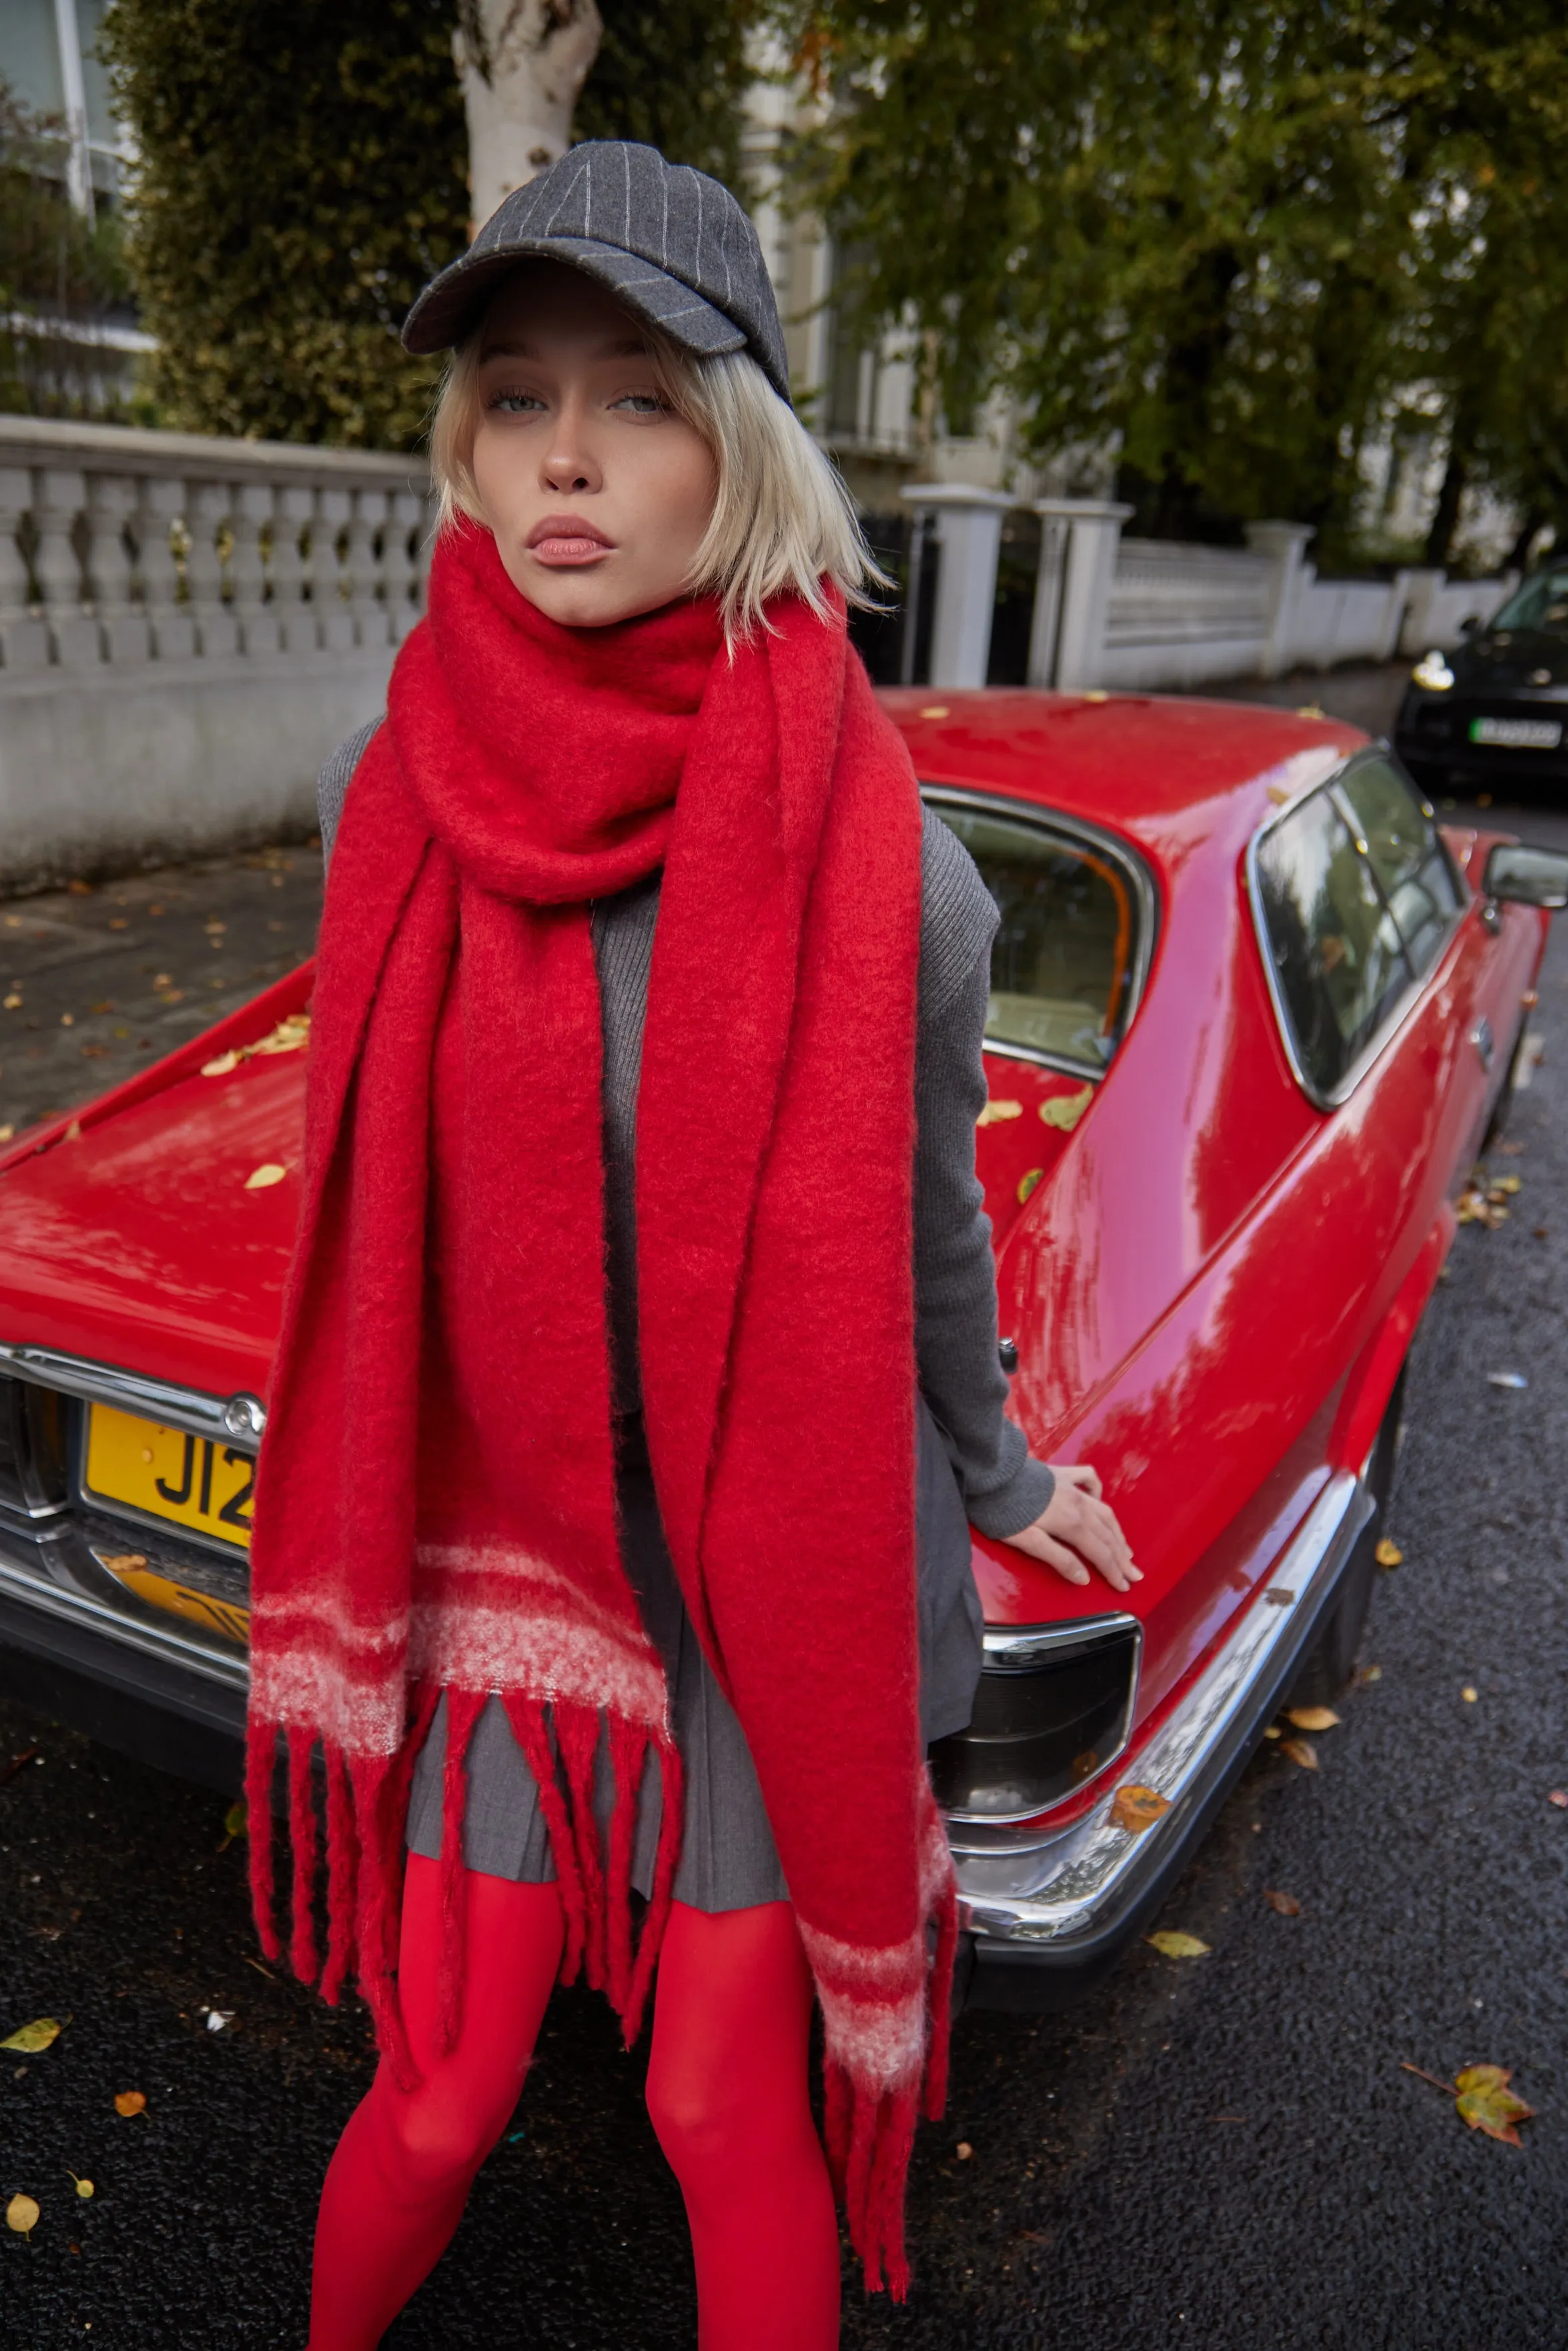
pixel 1222 2151
pixel 98 982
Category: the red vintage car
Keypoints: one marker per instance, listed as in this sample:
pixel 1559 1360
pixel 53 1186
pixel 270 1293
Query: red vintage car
pixel 1251 1015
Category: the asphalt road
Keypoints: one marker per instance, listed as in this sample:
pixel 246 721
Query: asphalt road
pixel 1221 2151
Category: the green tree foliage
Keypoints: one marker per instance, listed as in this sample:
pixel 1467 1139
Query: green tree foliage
pixel 1232 234
pixel 673 76
pixel 53 266
pixel 303 171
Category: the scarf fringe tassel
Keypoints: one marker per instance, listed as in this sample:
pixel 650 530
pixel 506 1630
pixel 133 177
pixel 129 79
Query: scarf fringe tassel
pixel 869 2131
pixel 366 1806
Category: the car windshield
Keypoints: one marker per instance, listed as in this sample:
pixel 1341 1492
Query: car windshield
pixel 1063 961
pixel 1542 603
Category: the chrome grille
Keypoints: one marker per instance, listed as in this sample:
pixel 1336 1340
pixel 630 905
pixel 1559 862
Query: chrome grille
pixel 34 1480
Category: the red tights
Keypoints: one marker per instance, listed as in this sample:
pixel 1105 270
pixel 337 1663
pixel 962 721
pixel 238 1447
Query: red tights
pixel 726 2092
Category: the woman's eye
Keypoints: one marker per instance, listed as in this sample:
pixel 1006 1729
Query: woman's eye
pixel 642 404
pixel 513 404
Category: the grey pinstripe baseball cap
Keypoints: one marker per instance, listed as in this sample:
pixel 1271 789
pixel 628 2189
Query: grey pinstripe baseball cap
pixel 674 244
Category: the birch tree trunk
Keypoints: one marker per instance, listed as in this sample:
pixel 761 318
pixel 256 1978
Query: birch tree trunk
pixel 521 63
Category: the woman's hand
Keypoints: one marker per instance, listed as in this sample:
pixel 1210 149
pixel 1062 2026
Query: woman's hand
pixel 1077 1525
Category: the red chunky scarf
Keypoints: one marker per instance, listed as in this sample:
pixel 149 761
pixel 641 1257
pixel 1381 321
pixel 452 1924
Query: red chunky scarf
pixel 436 1503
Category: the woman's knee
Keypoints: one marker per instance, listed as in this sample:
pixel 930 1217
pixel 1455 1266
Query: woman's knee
pixel 438 2134
pixel 697 2119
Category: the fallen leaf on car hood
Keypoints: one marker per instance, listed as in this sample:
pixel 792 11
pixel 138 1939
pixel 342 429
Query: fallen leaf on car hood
pixel 1135 1809
pixel 30 2038
pixel 1301 1752
pixel 262 1178
pixel 1285 1904
pixel 1174 1945
pixel 1064 1111
pixel 1312 1717
pixel 996 1113
pixel 291 1036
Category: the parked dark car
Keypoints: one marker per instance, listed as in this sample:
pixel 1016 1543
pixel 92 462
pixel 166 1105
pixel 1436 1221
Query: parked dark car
pixel 1495 711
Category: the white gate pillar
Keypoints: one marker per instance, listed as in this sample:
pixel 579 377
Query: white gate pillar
pixel 969 535
pixel 1285 545
pixel 1078 543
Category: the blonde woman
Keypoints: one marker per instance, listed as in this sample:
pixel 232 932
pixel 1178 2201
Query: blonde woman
pixel 639 1371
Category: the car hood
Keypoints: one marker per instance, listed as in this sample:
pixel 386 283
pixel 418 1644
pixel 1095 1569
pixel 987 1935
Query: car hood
pixel 144 1239
pixel 1522 660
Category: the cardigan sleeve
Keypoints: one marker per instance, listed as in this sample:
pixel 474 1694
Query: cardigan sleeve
pixel 332 785
pixel 1004 1488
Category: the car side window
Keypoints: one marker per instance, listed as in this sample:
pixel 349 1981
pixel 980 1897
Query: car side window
pixel 1338 959
pixel 1407 854
pixel 1061 964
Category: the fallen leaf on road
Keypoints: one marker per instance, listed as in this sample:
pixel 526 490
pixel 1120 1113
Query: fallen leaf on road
pixel 1541 1232
pixel 996 1113
pixel 13 1002
pixel 1135 1809
pixel 1487 2104
pixel 1285 1904
pixel 1272 1731
pixel 1301 1752
pixel 22 2214
pixel 6 1133
pixel 1388 1554
pixel 84 2186
pixel 1508 1185
pixel 1469 1693
pixel 1558 1796
pixel 234 1826
pixel 30 2038
pixel 1174 1945
pixel 262 1178
pixel 1314 1718
pixel 963 2150
pixel 130 2102
pixel 79 889
pixel 1368 1674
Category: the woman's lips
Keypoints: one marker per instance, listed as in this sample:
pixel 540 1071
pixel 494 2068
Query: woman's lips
pixel 565 543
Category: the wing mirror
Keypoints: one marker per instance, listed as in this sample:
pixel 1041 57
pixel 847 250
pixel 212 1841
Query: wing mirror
pixel 1526 876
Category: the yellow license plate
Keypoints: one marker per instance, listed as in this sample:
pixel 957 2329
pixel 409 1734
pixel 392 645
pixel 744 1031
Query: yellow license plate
pixel 165 1473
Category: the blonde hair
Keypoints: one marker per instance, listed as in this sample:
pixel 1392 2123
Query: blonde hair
pixel 782 520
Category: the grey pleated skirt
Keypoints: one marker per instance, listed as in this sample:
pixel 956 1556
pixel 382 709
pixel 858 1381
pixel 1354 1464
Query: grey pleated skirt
pixel 728 1858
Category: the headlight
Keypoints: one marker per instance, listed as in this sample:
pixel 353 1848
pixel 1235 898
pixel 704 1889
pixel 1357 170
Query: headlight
pixel 1432 674
pixel 1054 1707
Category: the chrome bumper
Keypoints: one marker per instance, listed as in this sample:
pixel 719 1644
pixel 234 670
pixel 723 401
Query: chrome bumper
pixel 1061 1899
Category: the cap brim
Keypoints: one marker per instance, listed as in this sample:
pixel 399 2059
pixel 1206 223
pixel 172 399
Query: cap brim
pixel 450 305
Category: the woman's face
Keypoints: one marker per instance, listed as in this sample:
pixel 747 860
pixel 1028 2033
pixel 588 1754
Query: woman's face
pixel 597 492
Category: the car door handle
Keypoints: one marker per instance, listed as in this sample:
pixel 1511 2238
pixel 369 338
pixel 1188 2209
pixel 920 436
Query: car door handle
pixel 1483 1041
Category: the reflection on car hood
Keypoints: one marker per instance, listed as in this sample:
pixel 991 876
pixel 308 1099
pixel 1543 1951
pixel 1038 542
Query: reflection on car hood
pixel 1521 661
pixel 141 1242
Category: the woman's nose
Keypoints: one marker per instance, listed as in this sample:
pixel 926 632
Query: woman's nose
pixel 569 462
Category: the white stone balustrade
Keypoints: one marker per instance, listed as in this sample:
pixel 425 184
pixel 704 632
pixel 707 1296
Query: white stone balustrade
pixel 123 548
pixel 187 629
